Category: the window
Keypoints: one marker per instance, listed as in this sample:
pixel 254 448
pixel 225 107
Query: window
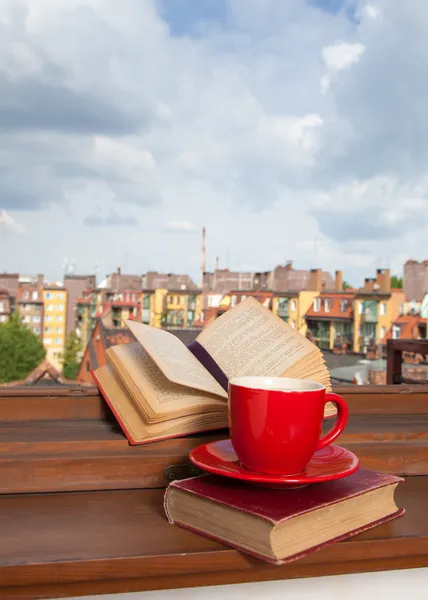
pixel 36 319
pixel 293 324
pixel 49 307
pixel 26 295
pixel 59 318
pixel 234 300
pixel 36 329
pixel 2 318
pixel 48 296
pixel 47 341
pixel 360 308
pixel 48 329
pixel 59 329
pixel 343 305
pixel 60 296
pixel 395 332
pixel 35 295
pixel 317 304
pixel 26 319
pixel 293 305
pixel 49 318
pixel 243 298
pixel 60 306
pixel 58 341
pixel 382 332
pixel 327 305
pixel 1 306
pixel 383 309
pixel 27 307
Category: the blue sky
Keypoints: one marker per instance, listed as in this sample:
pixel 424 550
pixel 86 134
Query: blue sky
pixel 290 130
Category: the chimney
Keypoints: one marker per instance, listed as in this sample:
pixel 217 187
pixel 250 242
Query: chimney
pixel 315 280
pixel 203 255
pixel 118 270
pixel 217 263
pixel 383 279
pixel 369 284
pixel 338 282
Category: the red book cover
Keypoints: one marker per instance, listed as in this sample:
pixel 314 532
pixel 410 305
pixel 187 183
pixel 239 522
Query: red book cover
pixel 278 506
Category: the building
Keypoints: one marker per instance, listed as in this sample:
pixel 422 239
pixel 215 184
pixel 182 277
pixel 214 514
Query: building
pixel 85 315
pixel 44 374
pixel 408 326
pixel 9 282
pixel 330 319
pixel 415 280
pixel 29 301
pixel 376 307
pixel 94 355
pixel 54 330
pixel 76 286
pixel 281 279
pixel 5 306
pixel 286 278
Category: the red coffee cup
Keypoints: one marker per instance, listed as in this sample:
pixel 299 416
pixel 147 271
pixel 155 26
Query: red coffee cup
pixel 276 422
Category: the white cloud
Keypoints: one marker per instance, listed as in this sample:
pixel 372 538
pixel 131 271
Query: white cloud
pixel 338 57
pixel 241 124
pixel 370 11
pixel 10 224
pixel 180 226
pixel 342 55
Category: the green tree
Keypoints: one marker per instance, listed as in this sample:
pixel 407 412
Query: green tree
pixel 71 357
pixel 396 282
pixel 346 285
pixel 20 350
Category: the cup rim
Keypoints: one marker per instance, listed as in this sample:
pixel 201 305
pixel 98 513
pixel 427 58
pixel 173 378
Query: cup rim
pixel 281 384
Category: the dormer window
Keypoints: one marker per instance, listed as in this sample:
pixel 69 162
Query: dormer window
pixel 327 305
pixel 317 304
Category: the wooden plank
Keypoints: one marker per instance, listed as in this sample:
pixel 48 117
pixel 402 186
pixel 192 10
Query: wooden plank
pixel 67 404
pixel 69 456
pixel 94 455
pixel 54 408
pixel 111 542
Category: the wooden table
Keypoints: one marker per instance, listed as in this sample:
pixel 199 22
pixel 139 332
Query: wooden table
pixel 108 532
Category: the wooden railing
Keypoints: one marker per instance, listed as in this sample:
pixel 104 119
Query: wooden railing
pixel 394 360
pixel 110 534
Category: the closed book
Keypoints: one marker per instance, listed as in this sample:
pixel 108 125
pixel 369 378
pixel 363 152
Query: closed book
pixel 281 526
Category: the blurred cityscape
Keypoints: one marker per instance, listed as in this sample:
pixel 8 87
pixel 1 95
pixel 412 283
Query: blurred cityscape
pixel 351 324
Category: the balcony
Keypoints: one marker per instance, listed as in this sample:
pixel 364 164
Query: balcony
pixel 369 312
pixel 110 535
pixel 283 309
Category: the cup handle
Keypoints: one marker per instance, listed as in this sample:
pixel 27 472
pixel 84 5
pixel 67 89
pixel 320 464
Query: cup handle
pixel 341 420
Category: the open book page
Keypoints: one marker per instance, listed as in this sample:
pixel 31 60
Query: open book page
pixel 159 398
pixel 173 358
pixel 133 423
pixel 251 340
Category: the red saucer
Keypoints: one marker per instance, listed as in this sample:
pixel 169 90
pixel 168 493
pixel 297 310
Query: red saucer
pixel 328 464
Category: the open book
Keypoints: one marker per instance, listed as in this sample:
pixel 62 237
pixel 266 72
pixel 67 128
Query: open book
pixel 159 388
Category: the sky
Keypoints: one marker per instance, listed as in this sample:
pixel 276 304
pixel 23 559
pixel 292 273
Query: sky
pixel 290 130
